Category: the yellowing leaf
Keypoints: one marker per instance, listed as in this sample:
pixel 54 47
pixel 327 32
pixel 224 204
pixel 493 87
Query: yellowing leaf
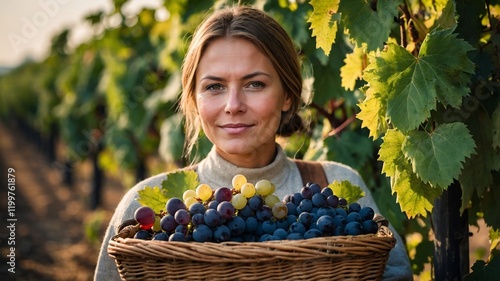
pixel 323 21
pixel 390 152
pixel 437 158
pixel 173 185
pixel 414 196
pixel 372 115
pixel 345 189
pixel 353 68
pixel 153 197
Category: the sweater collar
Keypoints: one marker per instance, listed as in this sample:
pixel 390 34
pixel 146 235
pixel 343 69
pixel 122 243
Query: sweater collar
pixel 216 171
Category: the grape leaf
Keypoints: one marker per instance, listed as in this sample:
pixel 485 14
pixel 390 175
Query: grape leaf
pixel 495 118
pixel 173 185
pixel 179 181
pixel 367 24
pixel 413 85
pixel 345 189
pixel 437 158
pixel 372 114
pixel 353 68
pixel 489 203
pixel 476 175
pixel 153 197
pixel 391 152
pixel 414 196
pixel 485 271
pixel 324 19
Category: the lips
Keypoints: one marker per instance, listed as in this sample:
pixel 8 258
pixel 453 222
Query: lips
pixel 235 128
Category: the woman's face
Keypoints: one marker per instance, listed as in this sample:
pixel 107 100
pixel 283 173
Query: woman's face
pixel 240 99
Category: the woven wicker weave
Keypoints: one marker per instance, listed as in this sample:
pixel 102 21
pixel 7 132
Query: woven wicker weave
pixel 360 257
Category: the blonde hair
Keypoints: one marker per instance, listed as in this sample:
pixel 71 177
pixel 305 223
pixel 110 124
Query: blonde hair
pixel 268 36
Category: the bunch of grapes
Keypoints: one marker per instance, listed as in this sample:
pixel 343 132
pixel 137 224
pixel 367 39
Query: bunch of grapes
pixel 249 212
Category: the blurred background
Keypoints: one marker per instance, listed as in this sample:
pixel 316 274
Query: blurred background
pixel 88 93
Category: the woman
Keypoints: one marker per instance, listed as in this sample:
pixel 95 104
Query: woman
pixel 242 85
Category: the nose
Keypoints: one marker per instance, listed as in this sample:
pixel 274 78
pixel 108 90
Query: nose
pixel 235 101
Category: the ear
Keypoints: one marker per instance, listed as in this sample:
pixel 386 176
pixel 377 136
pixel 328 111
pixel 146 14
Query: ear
pixel 287 103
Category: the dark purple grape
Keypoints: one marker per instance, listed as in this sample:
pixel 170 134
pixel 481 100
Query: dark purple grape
pixel 369 227
pixel 177 236
pixel 318 200
pixel 197 219
pixel 354 207
pixel 325 224
pixel 268 226
pixel 332 201
pixel 342 202
pixel 281 233
pixel 255 202
pixel 306 192
pixel 222 194
pixel 174 204
pixel 305 218
pixel 315 188
pixel 353 228
pixel 264 213
pixel 366 213
pixel 327 191
pixel 145 217
pixel 196 208
pixel 202 233
pixel 250 224
pixel 221 233
pixel 354 216
pixel 312 233
pixel 236 226
pixel 168 223
pixel 161 236
pixel 226 209
pixel 213 205
pixel 182 217
pixel 143 234
pixel 182 229
pixel 212 217
pixel 297 227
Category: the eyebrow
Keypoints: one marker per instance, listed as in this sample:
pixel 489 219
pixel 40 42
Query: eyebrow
pixel 248 76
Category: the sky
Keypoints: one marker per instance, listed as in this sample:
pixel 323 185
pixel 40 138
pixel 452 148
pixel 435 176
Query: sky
pixel 27 26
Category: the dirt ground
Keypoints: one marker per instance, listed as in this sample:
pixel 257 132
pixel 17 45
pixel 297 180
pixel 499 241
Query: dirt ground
pixel 51 219
pixel 49 236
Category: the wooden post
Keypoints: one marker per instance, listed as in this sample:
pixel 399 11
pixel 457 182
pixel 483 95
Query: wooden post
pixel 451 230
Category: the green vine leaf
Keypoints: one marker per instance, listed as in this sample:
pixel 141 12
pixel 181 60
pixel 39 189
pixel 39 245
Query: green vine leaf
pixel 347 190
pixel 179 181
pixel 414 196
pixel 323 21
pixel 173 185
pixel 369 22
pixel 441 72
pixel 437 158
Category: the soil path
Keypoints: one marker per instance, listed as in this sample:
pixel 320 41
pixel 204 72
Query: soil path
pixel 49 235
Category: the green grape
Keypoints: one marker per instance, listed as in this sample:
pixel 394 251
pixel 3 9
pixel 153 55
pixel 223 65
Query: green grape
pixel 190 201
pixel 239 201
pixel 248 190
pixel 264 188
pixel 188 193
pixel 280 210
pixel 156 225
pixel 270 200
pixel 239 181
pixel 204 192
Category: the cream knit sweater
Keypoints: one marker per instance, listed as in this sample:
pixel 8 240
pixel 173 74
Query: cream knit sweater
pixel 217 172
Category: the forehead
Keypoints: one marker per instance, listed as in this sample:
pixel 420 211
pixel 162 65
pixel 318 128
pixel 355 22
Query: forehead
pixel 233 55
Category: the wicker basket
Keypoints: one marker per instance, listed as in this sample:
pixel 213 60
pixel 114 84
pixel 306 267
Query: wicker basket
pixel 360 257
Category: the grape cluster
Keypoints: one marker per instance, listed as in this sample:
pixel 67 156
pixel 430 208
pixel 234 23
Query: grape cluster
pixel 250 213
